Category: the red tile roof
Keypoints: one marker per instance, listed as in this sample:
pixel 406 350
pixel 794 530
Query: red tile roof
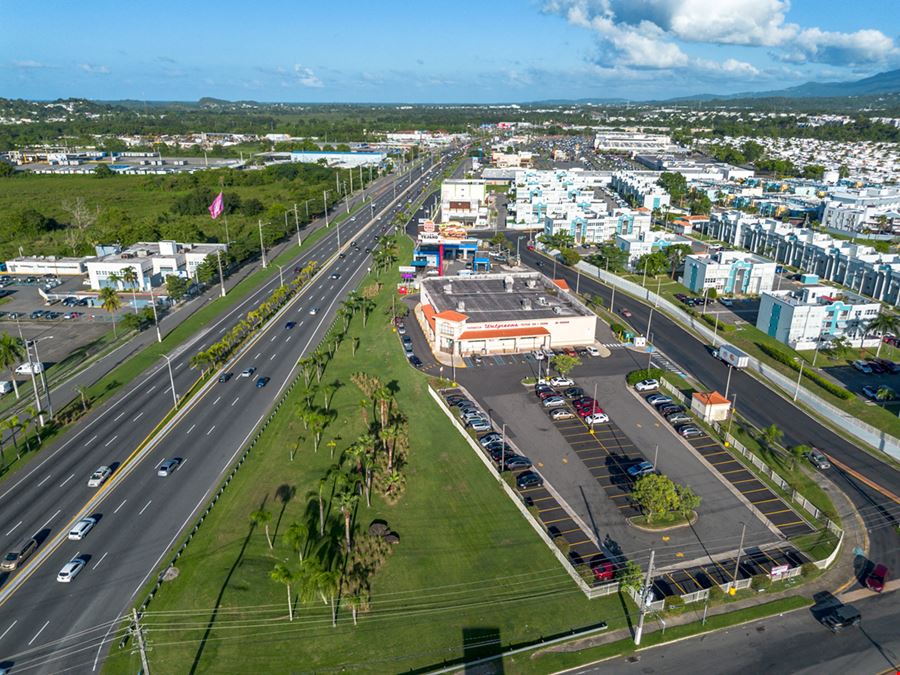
pixel 712 398
pixel 561 283
pixel 428 311
pixel 530 331
pixel 450 315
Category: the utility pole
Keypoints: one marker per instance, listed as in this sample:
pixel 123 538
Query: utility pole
pixel 351 179
pixel 325 203
pixel 737 562
pixel 139 635
pixel 297 223
pixel 155 315
pixel 171 380
pixel 262 246
pixel 337 183
pixel 645 589
pixel 221 277
pixel 37 392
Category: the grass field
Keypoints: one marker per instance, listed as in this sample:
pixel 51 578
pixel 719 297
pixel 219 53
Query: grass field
pixel 468 565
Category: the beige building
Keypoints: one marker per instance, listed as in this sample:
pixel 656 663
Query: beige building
pixel 711 406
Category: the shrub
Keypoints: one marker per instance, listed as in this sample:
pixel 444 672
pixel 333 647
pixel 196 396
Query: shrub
pixel 716 593
pixel 562 544
pixel 760 582
pixel 786 359
pixel 808 569
pixel 674 602
pixel 618 328
pixel 711 320
pixel 636 376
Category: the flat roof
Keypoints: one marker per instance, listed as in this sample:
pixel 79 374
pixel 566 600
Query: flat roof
pixel 485 298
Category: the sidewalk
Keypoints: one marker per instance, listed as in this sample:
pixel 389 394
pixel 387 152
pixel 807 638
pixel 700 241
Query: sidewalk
pixel 840 580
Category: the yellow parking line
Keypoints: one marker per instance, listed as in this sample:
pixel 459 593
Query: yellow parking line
pixel 552 508
pixel 558 520
pixel 747 492
pixel 620 495
pixel 725 473
pixel 583 541
pixel 794 522
pixel 708 445
pixel 765 501
pixel 680 587
pixel 773 513
pixel 746 480
pixel 713 454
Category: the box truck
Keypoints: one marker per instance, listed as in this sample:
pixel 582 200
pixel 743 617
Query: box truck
pixel 732 356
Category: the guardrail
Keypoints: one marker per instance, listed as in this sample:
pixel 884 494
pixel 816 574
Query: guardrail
pixel 873 436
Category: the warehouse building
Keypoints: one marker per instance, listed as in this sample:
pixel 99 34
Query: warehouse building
pixel 502 314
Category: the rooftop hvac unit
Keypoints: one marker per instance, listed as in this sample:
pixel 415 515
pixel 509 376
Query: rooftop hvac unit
pixel 448 289
pixel 531 283
pixel 557 309
pixel 526 303
pixel 461 306
pixel 508 284
pixel 542 301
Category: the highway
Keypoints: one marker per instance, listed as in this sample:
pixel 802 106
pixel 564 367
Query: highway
pixel 46 626
pixel 761 406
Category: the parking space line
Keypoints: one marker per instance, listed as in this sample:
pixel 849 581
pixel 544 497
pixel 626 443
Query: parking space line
pixel 772 513
pixel 558 520
pixel 746 480
pixel 747 492
pixel 765 501
pixel 583 541
pixel 725 473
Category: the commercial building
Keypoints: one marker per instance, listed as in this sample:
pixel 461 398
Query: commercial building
pixel 502 313
pixel 804 318
pixel 40 265
pixel 503 160
pixel 151 261
pixel 437 243
pixel 346 160
pixel 463 201
pixel 633 142
pixel 729 272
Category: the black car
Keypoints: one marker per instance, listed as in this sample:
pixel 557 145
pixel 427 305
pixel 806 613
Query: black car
pixel 528 479
pixel 290 324
pixel 497 452
pixel 224 377
pixel 573 392
pixel 262 382
pixel 342 256
pixel 407 340
pixel 454 399
pixel 415 361
pixel 670 408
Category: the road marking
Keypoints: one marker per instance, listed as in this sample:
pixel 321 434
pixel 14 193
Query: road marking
pixel 217 400
pixel 119 416
pixel 192 428
pixel 288 338
pixel 13 530
pixel 151 388
pixel 109 442
pixel 3 634
pixel 235 400
pixel 94 437
pixel 100 561
pixel 38 633
pixel 139 415
pixel 274 337
pixel 210 429
pixel 67 480
pixel 272 358
pixel 258 354
pixel 49 519
pixel 120 506
pixel 44 481
pixel 141 512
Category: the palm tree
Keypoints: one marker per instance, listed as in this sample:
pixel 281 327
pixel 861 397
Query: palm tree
pixel 393 482
pixel 201 361
pixel 130 277
pixel 346 501
pixel 317 423
pixel 263 517
pixel 883 324
pixel 329 584
pixel 355 603
pixel 324 481
pixel 281 574
pixel 114 278
pixel 884 394
pixel 296 535
pixel 82 392
pixel 110 301
pixel 11 352
pixel 12 425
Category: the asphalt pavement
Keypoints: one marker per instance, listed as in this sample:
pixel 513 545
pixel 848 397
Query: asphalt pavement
pixel 51 627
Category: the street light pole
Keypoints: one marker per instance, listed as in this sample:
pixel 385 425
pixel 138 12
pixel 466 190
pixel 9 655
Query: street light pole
pixel 171 379
pixel 728 380
pixel 155 315
pixel 737 561
pixel 325 203
pixel 221 277
pixel 262 246
pixel 645 589
pixel 37 394
pixel 799 377
pixel 297 223
pixel 280 274
pixel 43 380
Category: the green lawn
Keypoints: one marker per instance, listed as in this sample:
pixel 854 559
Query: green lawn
pixel 468 564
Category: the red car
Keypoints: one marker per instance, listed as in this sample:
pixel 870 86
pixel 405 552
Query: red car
pixel 877 578
pixel 546 393
pixel 626 313
pixel 582 405
pixel 587 412
pixel 603 571
pixel 569 351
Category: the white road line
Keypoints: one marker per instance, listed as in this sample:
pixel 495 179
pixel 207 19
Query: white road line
pixel 109 442
pixel 141 512
pixel 119 416
pixel 235 400
pixel 179 365
pixel 94 437
pixel 3 634
pixel 100 561
pixel 258 354
pixel 67 480
pixel 217 400
pixel 38 633
pixel 151 388
pixel 49 519
pixel 192 428
pixel 120 506
pixel 44 481
pixel 13 530
pixel 139 415
pixel 288 338
pixel 274 337
pixel 272 358
pixel 210 429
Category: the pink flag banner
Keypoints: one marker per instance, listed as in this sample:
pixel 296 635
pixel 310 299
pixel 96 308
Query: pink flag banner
pixel 217 207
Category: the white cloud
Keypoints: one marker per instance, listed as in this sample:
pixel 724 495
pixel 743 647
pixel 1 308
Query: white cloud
pixel 94 70
pixel 29 64
pixel 306 77
pixel 643 33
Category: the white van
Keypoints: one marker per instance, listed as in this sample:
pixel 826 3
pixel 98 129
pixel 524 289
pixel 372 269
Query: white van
pixel 5 386
pixel 30 368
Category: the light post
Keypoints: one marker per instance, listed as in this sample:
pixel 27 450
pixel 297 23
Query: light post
pixel 737 561
pixel 731 416
pixel 799 377
pixel 262 246
pixel 325 204
pixel 43 379
pixel 297 224
pixel 658 285
pixel 649 319
pixel 155 315
pixel 37 394
pixel 645 589
pixel 221 277
pixel 171 379
pixel 728 380
pixel 280 274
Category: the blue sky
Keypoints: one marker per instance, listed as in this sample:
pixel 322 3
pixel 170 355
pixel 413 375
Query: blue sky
pixel 437 50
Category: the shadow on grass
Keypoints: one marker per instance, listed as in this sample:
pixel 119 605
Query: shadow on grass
pixel 215 612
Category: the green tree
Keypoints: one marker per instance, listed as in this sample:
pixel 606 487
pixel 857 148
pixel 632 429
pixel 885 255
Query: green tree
pixel 652 264
pixel 130 277
pixel 110 301
pixel 346 503
pixel 675 184
pixel 798 452
pixel 560 240
pixel 839 347
pixel 6 170
pixel 609 257
pixel 281 574
pixel 843 171
pixel 676 255
pixel 11 353
pixel 564 364
pixel 772 436
pixel 176 286
pixel 752 150
pixel 570 256
pixel 630 577
pixel 261 517
pixel 103 171
pixel 296 537
pixel 883 324
pixel 657 496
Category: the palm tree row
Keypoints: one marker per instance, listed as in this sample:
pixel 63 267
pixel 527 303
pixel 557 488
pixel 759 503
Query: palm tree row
pixel 16 424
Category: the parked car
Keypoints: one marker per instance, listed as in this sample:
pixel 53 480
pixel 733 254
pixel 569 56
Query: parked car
pixel 559 414
pixel 593 351
pixel 889 366
pixel 876 367
pixel 487 439
pixel 513 462
pixel 570 351
pixel 603 570
pixel 678 418
pixel 877 578
pixel 647 385
pixel 528 479
pixel 689 431
pixel 840 617
pixel 561 382
pixel 599 417
pixel 538 355
pixel 415 361
pixel 670 408
pixel 480 425
pixel 870 391
pixel 573 392
pixel 554 402
pixel 862 367
pixel 640 470
pixel 818 459
pixel 657 400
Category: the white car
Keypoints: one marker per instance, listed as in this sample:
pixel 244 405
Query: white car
pixel 30 369
pixel 593 351
pixel 538 355
pixel 554 402
pixel 99 477
pixel 313 311
pixel 70 570
pixel 247 372
pixel 647 385
pixel 81 528
pixel 561 382
pixel 597 418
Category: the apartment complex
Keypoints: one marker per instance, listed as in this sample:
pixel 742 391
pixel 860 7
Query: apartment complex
pixel 729 272
pixel 642 187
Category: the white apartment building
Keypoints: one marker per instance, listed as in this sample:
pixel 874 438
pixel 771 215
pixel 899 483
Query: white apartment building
pixel 812 315
pixel 642 243
pixel 729 272
pixel 643 187
pixel 151 261
pixel 463 201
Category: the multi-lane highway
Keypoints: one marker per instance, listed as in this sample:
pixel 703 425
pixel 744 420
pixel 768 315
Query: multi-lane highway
pixel 763 407
pixel 46 626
